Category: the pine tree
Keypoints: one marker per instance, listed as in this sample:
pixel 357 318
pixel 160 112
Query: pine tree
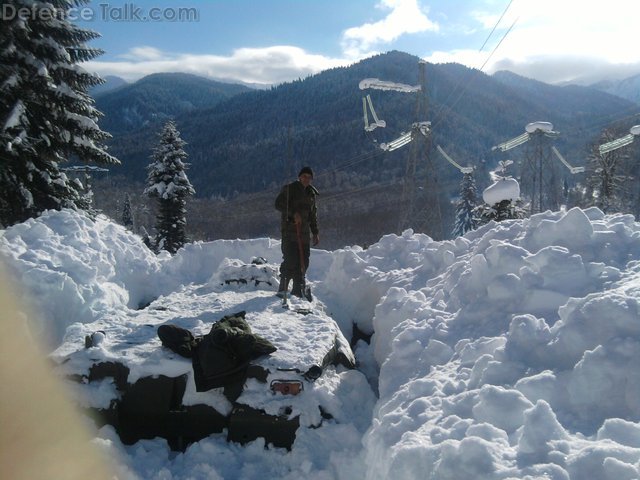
pixel 167 181
pixel 46 114
pixel 503 210
pixel 607 184
pixel 146 238
pixel 465 220
pixel 127 217
pixel 500 195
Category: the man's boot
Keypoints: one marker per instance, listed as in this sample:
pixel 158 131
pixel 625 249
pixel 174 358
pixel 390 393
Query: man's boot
pixel 283 287
pixel 297 287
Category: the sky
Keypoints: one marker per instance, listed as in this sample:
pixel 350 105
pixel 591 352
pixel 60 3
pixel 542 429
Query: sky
pixel 273 41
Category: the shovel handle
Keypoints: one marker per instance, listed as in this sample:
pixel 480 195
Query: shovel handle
pixel 300 248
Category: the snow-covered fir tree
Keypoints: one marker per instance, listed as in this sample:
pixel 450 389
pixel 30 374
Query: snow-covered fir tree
pixel 146 238
pixel 46 114
pixel 503 210
pixel 502 198
pixel 167 181
pixel 465 220
pixel 127 216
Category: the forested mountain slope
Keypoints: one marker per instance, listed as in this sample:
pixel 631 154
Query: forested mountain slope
pixel 256 139
pixel 158 97
pixel 244 148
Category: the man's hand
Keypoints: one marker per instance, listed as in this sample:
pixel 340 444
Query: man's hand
pixel 297 219
pixel 316 239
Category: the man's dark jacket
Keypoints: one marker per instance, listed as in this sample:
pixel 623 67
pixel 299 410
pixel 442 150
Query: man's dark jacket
pixel 296 198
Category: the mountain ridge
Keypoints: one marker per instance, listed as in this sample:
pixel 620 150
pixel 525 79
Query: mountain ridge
pixel 318 121
pixel 244 148
pixel 627 88
pixel 158 97
pixel 111 82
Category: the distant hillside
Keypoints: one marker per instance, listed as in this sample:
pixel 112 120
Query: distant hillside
pixel 111 83
pixel 629 88
pixel 579 113
pixel 242 149
pixel 572 102
pixel 242 144
pixel 155 98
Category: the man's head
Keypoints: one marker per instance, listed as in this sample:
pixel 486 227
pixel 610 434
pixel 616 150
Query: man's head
pixel 305 176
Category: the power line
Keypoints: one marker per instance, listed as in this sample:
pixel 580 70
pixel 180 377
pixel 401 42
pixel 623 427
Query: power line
pixel 325 199
pixel 368 156
pixel 602 122
pixel 443 107
pixel 495 26
pixel 499 43
pixel 453 92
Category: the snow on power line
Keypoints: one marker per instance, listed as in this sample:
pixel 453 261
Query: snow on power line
pixel 453 162
pixel 620 142
pixel 571 168
pixel 369 127
pixel 546 127
pixel 377 84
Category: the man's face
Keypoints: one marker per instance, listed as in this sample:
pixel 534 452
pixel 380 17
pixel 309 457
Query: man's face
pixel 305 179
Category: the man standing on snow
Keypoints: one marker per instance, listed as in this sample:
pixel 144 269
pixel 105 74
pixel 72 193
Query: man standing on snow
pixel 299 222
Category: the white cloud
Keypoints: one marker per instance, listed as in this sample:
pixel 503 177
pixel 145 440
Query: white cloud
pixel 405 17
pixel 273 64
pixel 266 66
pixel 559 41
pixel 553 41
pixel 143 53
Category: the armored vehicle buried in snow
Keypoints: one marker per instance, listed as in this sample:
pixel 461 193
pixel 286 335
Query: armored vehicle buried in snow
pixel 125 377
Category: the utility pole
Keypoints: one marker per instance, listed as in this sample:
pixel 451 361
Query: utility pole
pixel 539 175
pixel 289 167
pixel 87 170
pixel 422 205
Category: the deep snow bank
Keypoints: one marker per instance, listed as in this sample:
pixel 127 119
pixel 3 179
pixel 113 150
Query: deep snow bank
pixel 518 359
pixel 72 268
pixel 511 352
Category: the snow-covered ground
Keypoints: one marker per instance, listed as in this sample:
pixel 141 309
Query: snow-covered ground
pixel 509 353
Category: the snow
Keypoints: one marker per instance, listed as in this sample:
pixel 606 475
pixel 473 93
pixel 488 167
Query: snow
pixel 378 84
pixel 508 353
pixel 635 130
pixel 14 118
pixel 500 190
pixel 533 127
